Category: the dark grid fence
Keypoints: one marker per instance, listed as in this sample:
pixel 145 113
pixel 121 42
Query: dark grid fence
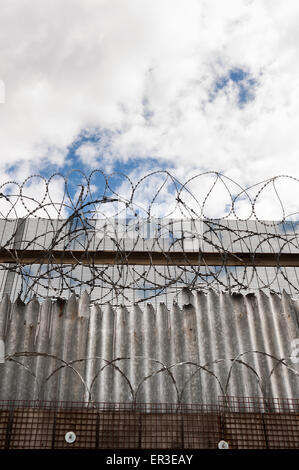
pixel 241 422
pixel 257 423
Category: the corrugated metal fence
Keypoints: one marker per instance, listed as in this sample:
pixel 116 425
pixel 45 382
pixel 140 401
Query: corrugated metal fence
pixel 209 345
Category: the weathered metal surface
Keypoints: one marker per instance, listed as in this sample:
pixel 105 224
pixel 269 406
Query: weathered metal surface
pixel 202 347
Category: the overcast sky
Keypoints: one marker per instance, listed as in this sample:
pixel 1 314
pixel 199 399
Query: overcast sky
pixel 135 85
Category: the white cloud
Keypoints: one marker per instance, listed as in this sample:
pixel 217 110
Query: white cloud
pixel 143 72
pixel 37 197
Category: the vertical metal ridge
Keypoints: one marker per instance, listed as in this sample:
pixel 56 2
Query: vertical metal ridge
pixel 104 385
pixel 42 345
pixel 191 346
pixel 204 344
pixel 247 381
pixel 286 380
pixel 84 305
pixel 290 307
pixel 137 366
pixel 258 329
pixel 165 334
pixel 66 375
pixel 270 345
pixel 179 350
pixel 217 344
pixel 122 391
pixel 9 383
pixel 5 306
pixel 71 308
pixel 51 390
pixel 93 350
pixel 150 348
pixel 291 312
pixel 254 332
pixel 26 379
pixel 80 347
pixel 232 347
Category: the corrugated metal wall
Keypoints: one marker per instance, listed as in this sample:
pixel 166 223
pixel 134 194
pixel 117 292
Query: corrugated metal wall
pixel 204 347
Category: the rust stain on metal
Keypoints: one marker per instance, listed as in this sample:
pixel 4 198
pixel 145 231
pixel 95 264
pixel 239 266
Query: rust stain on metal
pixel 60 303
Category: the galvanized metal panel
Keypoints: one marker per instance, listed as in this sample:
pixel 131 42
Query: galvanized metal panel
pixel 202 347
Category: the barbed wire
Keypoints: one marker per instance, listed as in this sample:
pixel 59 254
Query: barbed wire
pixel 64 222
pixel 179 381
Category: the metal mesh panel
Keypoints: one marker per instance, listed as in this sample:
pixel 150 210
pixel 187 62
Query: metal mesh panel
pixel 30 428
pixel 244 423
pixel 257 423
pixel 201 430
pixel 282 430
pixel 244 430
pixel 107 426
pixel 119 429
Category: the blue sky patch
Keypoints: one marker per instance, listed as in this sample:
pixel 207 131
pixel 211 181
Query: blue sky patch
pixel 245 82
pixel 74 168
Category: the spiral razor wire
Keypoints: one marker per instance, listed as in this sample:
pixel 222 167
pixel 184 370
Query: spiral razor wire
pixel 158 235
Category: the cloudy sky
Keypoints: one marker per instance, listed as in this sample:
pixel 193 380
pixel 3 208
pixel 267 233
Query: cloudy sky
pixel 141 85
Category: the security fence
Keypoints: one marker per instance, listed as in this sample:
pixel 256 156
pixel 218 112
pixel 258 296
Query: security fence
pixel 128 242
pixel 235 423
